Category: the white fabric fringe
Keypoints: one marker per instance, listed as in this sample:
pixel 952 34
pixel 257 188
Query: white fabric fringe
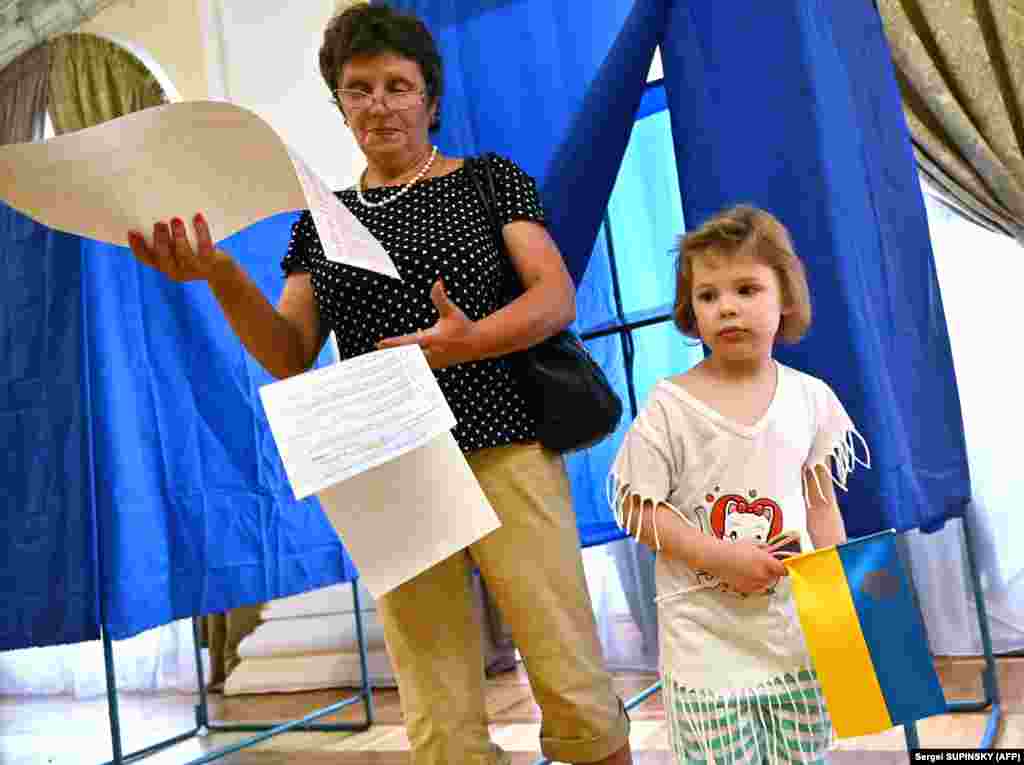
pixel 844 460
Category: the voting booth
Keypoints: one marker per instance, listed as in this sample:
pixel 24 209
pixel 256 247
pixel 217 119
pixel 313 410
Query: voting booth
pixel 148 483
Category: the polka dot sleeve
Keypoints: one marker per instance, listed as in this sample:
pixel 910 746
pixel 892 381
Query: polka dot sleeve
pixel 516 192
pixel 303 246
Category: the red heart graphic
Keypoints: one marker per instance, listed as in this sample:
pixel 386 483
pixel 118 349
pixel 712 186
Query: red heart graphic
pixel 734 503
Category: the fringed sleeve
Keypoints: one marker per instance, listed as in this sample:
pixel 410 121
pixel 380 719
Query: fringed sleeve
pixel 647 466
pixel 834 447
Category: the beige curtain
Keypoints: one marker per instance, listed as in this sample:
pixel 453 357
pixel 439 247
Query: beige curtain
pixel 960 68
pixel 92 80
pixel 23 88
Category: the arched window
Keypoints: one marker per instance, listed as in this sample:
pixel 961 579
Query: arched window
pixel 94 79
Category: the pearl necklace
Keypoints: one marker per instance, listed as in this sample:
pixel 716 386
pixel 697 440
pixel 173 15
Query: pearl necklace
pixel 403 190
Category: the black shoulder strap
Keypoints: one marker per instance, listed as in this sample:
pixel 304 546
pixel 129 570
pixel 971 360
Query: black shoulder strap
pixel 493 194
pixel 481 165
pixel 485 189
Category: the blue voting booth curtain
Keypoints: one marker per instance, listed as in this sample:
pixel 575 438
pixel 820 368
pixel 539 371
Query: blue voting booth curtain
pixel 557 91
pixel 47 533
pixel 196 513
pixel 552 88
pixel 634 256
pixel 140 480
pixel 134 436
pixel 793 106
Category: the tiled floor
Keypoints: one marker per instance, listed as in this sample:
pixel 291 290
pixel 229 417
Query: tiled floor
pixel 58 731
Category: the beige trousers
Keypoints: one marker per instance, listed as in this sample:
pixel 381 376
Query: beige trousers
pixel 533 568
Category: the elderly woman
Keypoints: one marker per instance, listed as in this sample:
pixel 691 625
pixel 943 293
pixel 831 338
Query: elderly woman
pixel 386 74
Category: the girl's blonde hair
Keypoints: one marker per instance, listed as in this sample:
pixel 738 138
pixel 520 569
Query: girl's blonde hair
pixel 745 230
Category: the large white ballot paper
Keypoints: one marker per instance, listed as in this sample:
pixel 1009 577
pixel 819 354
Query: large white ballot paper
pixel 371 437
pixel 176 160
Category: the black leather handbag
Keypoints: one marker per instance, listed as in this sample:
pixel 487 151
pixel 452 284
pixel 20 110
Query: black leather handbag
pixel 578 408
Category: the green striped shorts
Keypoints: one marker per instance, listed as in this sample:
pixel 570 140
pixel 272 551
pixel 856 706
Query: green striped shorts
pixel 783 721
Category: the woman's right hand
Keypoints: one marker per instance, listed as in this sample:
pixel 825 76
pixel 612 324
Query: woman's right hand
pixel 745 566
pixel 172 255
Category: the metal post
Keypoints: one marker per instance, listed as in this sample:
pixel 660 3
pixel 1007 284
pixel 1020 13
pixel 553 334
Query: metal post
pixel 112 707
pixel 202 709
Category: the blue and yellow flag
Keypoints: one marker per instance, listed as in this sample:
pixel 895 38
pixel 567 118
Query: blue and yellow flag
pixel 865 635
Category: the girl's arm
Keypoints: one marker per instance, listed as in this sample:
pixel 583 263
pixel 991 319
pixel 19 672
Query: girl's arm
pixel 744 566
pixel 665 532
pixel 824 522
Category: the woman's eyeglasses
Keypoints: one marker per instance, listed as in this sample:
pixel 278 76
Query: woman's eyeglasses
pixel 357 100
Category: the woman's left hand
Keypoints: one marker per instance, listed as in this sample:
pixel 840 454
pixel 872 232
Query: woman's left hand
pixel 448 342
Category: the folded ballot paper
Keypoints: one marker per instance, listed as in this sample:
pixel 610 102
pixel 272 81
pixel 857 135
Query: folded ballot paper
pixel 369 436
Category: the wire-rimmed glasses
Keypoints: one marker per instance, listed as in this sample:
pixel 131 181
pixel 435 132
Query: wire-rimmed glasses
pixel 395 101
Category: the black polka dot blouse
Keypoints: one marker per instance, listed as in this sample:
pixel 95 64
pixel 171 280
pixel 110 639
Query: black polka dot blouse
pixel 439 228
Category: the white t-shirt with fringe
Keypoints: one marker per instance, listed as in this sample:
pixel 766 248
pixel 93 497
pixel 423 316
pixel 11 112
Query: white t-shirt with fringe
pixel 736 482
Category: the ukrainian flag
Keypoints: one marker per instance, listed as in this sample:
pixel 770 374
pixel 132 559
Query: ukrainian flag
pixel 865 635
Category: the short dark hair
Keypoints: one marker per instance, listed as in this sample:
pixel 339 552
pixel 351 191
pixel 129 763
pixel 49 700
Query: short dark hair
pixel 369 30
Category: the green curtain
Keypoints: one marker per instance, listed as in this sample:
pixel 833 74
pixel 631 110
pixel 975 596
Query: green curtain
pixel 93 80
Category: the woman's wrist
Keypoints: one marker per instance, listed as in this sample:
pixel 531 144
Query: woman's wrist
pixel 224 273
pixel 474 344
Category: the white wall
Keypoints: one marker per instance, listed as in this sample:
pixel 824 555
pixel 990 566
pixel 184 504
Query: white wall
pixel 163 33
pixel 259 54
pixel 263 55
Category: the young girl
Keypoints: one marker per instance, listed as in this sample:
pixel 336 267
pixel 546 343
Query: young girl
pixel 721 461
